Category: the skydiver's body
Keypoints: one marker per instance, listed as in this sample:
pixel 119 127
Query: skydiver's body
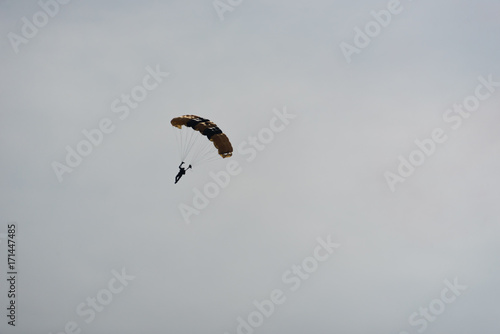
pixel 182 171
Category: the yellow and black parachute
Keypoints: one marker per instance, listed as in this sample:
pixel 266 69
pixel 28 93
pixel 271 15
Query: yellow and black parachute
pixel 200 138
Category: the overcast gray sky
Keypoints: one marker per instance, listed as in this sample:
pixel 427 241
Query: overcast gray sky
pixel 328 219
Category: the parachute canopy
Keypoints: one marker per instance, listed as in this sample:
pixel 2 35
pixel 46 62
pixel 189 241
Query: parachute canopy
pixel 201 149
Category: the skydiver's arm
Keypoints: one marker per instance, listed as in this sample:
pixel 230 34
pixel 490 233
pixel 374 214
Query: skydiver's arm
pixel 181 164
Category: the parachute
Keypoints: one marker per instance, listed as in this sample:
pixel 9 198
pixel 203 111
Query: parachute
pixel 200 140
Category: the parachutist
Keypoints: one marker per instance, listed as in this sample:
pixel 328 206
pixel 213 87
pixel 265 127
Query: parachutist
pixel 182 171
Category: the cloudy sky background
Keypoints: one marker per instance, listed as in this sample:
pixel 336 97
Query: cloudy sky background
pixel 323 175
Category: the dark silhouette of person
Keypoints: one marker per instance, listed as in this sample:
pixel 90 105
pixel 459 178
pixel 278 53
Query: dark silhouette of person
pixel 182 171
